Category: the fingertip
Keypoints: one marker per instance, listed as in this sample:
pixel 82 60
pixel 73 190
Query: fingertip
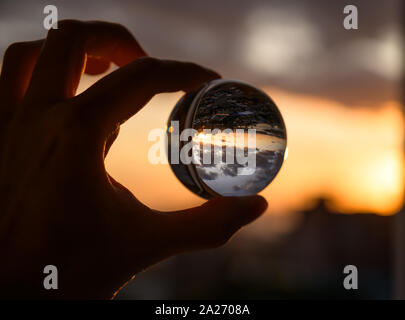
pixel 251 207
pixel 212 224
pixel 198 74
pixel 245 209
pixel 260 202
pixel 214 74
pixel 210 75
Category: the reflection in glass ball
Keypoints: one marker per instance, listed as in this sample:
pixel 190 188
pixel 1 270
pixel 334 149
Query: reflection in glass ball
pixel 238 139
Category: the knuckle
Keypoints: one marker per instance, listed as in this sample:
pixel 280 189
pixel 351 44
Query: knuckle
pixel 67 26
pixel 15 49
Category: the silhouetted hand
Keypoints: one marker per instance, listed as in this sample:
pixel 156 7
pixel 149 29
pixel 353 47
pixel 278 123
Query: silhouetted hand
pixel 58 204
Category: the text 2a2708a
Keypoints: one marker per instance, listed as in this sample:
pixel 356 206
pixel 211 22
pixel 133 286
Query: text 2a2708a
pixel 223 309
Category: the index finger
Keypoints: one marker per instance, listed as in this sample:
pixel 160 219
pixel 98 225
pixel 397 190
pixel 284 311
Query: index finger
pixel 121 94
pixel 63 56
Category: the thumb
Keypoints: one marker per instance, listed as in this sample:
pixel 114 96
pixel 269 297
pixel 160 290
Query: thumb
pixel 213 223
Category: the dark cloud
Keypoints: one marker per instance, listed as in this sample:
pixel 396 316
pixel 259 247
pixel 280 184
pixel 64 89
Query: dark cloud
pixel 213 33
pixel 207 175
pixel 268 164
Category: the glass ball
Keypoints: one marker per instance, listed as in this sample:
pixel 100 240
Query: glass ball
pixel 227 138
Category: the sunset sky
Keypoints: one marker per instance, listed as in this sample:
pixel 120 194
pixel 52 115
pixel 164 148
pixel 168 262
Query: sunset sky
pixel 353 155
pixel 338 90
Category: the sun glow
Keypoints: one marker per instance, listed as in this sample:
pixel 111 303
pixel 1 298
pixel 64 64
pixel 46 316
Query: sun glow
pixel 349 153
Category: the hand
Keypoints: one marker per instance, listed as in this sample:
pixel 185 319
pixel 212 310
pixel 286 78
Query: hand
pixel 58 204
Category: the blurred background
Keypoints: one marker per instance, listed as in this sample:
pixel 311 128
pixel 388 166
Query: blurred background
pixel 335 198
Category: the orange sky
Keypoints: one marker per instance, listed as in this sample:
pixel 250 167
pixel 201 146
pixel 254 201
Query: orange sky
pixel 351 154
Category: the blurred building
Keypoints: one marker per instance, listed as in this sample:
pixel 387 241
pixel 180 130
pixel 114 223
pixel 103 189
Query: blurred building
pixel 306 263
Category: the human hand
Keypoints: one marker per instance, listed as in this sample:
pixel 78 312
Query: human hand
pixel 58 204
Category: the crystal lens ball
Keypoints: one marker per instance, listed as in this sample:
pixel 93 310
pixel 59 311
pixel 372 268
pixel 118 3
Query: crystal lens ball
pixel 227 138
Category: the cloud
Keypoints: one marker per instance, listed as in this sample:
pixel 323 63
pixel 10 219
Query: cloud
pixel 300 46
